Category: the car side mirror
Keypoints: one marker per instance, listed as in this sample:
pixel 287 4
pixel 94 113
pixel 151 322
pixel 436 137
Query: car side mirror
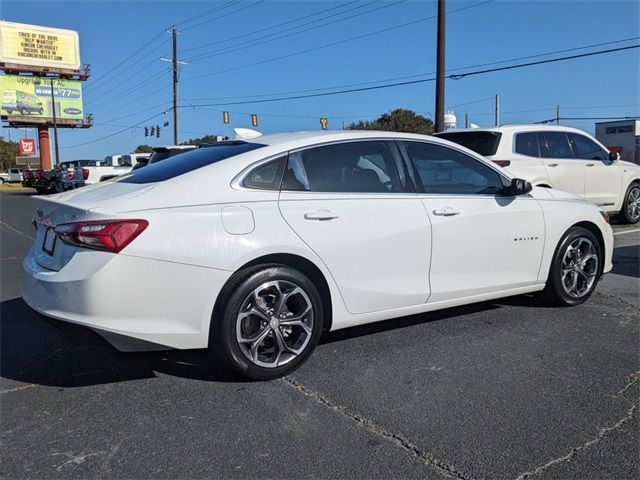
pixel 614 156
pixel 518 187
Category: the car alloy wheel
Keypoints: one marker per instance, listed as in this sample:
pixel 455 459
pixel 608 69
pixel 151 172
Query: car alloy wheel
pixel 275 323
pixel 633 204
pixel 579 267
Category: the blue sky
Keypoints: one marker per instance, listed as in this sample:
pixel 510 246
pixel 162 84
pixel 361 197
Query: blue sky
pixel 233 66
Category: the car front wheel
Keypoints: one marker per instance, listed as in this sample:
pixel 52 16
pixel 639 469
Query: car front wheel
pixel 575 268
pixel 630 212
pixel 271 322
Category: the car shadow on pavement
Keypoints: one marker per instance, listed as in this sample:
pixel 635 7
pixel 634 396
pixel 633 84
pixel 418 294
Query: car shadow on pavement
pixel 627 261
pixel 35 351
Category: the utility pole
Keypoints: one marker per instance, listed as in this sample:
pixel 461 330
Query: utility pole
pixel 497 110
pixel 440 67
pixel 466 120
pixel 175 71
pixel 557 114
pixel 174 35
pixel 55 125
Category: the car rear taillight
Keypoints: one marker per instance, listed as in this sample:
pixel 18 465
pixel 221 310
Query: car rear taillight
pixel 38 175
pixel 107 235
pixel 85 173
pixel 28 175
pixel 71 175
pixel 502 163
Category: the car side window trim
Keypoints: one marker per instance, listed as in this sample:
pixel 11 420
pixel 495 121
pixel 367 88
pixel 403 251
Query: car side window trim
pixel 419 187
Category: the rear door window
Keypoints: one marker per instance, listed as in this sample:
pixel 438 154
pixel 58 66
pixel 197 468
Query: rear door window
pixel 555 145
pixel 483 143
pixel 364 167
pixel 188 162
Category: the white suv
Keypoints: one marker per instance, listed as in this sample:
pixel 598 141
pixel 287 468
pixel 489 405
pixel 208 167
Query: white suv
pixel 562 158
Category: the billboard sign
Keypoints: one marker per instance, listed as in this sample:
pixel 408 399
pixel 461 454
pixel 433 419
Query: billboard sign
pixel 27 146
pixel 30 97
pixel 33 45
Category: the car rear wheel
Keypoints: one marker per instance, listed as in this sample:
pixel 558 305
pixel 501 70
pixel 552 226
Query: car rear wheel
pixel 630 212
pixel 575 268
pixel 1 180
pixel 271 322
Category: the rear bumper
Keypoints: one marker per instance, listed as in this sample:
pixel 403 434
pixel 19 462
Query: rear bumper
pixel 134 303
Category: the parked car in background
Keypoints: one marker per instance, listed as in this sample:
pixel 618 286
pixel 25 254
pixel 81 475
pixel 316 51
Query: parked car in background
pixel 562 158
pixel 58 180
pixel 13 175
pixel 126 163
pixel 254 248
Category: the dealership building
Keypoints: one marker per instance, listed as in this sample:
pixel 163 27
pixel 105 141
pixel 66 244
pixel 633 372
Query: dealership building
pixel 622 136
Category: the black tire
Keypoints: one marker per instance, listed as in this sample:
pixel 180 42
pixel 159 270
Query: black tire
pixel 237 301
pixel 24 111
pixel 1 180
pixel 58 187
pixel 564 269
pixel 41 190
pixel 630 212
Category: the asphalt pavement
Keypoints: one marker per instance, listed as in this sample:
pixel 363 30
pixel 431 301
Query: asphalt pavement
pixel 503 389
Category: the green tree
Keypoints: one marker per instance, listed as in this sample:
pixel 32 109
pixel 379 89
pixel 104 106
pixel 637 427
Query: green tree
pixel 202 140
pixel 399 120
pixel 143 149
pixel 8 152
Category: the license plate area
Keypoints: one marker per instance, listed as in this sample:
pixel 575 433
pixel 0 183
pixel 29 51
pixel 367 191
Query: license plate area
pixel 49 243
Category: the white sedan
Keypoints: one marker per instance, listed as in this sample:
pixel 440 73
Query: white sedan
pixel 255 247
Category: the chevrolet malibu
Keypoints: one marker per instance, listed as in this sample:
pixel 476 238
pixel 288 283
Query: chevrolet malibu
pixel 255 247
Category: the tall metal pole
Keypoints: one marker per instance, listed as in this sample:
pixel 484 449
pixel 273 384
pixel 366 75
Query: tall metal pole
pixel 557 114
pixel 466 120
pixel 174 62
pixel 497 110
pixel 55 125
pixel 440 67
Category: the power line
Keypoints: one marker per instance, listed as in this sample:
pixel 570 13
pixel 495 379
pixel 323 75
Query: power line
pixel 230 39
pixel 206 12
pixel 116 133
pixel 540 62
pixel 251 5
pixel 257 42
pixel 413 82
pixel 333 44
pixel 412 75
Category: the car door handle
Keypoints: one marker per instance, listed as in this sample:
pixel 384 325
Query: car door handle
pixel 320 215
pixel 590 164
pixel 446 212
pixel 552 165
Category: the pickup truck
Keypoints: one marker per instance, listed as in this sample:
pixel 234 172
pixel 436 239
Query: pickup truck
pixel 12 175
pixel 55 181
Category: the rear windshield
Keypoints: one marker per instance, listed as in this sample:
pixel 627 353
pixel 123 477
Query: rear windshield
pixel 483 143
pixel 187 162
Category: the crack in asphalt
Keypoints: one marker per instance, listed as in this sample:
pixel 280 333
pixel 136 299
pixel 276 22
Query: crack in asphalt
pixel 620 299
pixel 399 440
pixel 602 433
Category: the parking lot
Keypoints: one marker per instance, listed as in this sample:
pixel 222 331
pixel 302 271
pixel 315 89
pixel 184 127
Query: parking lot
pixel 503 389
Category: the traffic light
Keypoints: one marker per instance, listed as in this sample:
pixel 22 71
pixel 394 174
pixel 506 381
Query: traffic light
pixel 323 123
pixel 225 117
pixel 254 119
pixel 157 131
pixel 153 131
pixel 146 131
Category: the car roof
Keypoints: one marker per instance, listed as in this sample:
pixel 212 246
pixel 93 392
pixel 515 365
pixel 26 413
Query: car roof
pixel 291 140
pixel 516 128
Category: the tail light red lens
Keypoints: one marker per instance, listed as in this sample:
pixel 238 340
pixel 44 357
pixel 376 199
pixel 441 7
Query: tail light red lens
pixel 71 175
pixel 85 173
pixel 28 175
pixel 107 235
pixel 38 174
pixel 502 163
